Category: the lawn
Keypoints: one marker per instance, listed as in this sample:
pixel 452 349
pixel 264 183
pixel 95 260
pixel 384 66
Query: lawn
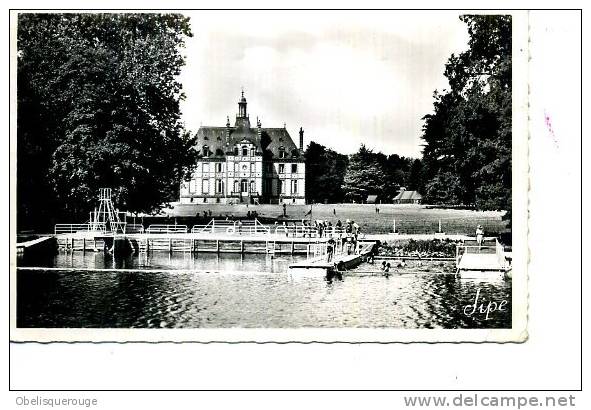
pixel 409 218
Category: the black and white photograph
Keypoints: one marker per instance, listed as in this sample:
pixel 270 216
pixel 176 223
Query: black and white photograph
pixel 273 176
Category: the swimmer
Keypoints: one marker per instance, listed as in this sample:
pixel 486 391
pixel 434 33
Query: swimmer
pixel 387 270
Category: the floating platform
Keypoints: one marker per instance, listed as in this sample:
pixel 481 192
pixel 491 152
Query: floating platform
pixel 342 260
pixel 482 261
pixel 42 244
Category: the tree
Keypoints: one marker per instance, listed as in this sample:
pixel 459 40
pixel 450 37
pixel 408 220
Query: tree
pixel 98 106
pixel 325 171
pixel 467 151
pixel 414 180
pixel 364 176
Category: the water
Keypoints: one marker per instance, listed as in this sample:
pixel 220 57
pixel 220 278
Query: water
pixel 231 290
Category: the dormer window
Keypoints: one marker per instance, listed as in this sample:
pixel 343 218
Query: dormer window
pixel 236 151
pixel 206 151
pixel 252 152
pixel 281 152
pixel 244 151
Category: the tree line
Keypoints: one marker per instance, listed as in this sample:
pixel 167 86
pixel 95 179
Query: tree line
pixel 467 137
pixel 332 177
pixel 98 106
pixel 466 157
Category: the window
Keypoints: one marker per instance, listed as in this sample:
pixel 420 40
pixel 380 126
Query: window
pixel 253 167
pixel 205 188
pixel 192 187
pixel 294 186
pixel 282 168
pixel 280 186
pixel 281 152
pixel 253 186
pixel 252 152
pixel 236 185
pixel 236 167
pixel 244 151
pixel 236 151
pixel 206 151
pixel 218 167
pixel 244 185
pixel 294 168
pixel 219 186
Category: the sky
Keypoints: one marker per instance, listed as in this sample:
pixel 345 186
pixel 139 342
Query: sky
pixel 346 77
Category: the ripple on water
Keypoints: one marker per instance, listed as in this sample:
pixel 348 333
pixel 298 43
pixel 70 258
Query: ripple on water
pixel 264 299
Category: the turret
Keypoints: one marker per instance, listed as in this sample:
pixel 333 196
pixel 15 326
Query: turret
pixel 242 116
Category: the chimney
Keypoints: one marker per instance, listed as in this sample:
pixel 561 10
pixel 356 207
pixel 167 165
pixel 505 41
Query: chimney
pixel 259 130
pixel 227 131
pixel 301 139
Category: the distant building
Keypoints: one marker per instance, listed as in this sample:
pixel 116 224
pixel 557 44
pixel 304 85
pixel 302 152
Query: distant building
pixel 372 199
pixel 249 165
pixel 408 197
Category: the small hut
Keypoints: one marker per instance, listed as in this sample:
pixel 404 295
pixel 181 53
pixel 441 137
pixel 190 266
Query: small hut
pixel 408 197
pixel 372 199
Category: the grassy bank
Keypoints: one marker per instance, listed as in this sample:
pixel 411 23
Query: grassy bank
pixel 408 218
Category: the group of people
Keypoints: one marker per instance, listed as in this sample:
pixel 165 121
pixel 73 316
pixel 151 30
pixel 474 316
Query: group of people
pixel 252 214
pixel 206 214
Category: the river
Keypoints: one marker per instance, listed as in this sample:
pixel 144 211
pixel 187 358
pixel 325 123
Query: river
pixel 232 290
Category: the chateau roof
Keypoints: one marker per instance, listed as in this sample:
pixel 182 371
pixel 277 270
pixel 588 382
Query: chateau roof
pixel 269 143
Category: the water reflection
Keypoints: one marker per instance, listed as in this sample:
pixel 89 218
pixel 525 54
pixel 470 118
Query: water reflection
pixel 230 290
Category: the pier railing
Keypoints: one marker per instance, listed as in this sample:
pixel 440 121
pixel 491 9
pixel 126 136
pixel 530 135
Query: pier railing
pixel 496 248
pixel 134 228
pixel 232 227
pixel 73 228
pixel 158 228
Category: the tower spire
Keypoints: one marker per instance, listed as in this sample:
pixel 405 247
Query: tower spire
pixel 242 116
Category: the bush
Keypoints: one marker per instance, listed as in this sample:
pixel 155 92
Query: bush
pixel 435 248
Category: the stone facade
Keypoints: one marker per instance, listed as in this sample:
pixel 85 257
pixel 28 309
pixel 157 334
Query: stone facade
pixel 240 164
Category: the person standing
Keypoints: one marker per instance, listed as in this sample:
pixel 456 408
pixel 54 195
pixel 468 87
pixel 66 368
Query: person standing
pixel 479 235
pixel 329 249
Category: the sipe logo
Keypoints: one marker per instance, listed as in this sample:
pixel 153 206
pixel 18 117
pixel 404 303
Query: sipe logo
pixel 484 308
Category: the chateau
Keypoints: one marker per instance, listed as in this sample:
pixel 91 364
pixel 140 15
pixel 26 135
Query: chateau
pixel 240 164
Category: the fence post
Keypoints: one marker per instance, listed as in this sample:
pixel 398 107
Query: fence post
pixel 440 226
pixel 394 225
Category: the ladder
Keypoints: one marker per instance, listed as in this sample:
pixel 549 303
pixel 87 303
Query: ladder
pixel 271 247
